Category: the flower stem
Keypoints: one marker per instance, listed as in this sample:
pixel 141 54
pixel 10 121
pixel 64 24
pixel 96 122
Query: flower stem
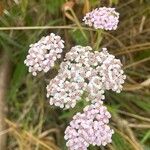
pixel 98 41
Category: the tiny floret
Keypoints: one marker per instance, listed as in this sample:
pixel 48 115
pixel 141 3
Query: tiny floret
pixel 43 54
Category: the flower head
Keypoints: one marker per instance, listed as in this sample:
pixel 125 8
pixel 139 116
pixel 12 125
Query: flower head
pixel 112 75
pixel 85 71
pixel 102 18
pixel 43 54
pixel 89 127
pixel 67 87
pixel 110 71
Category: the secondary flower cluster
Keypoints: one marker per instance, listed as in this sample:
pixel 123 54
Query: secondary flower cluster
pixel 43 54
pixel 67 87
pixel 102 18
pixel 85 71
pixel 89 127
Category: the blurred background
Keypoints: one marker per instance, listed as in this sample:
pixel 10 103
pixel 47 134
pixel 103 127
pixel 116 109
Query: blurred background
pixel 27 121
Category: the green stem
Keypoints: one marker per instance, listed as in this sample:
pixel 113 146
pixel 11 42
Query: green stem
pixel 78 23
pixel 98 41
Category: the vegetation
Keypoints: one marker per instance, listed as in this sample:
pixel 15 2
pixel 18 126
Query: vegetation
pixel 35 125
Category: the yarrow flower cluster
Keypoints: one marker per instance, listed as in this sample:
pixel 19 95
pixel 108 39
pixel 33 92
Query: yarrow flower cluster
pixel 85 71
pixel 43 54
pixel 89 127
pixel 112 75
pixel 102 18
pixel 67 87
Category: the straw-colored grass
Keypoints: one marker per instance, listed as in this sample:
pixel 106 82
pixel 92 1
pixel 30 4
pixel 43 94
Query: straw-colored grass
pixel 34 125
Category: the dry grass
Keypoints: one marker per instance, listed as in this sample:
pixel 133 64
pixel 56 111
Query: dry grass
pixel 32 123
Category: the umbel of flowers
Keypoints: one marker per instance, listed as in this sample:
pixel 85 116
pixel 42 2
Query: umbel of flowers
pixel 89 127
pixel 43 54
pixel 83 70
pixel 102 18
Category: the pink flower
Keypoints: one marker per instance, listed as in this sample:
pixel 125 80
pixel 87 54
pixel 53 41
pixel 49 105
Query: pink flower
pixel 43 54
pixel 85 71
pixel 89 127
pixel 102 18
pixel 110 70
pixel 67 87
